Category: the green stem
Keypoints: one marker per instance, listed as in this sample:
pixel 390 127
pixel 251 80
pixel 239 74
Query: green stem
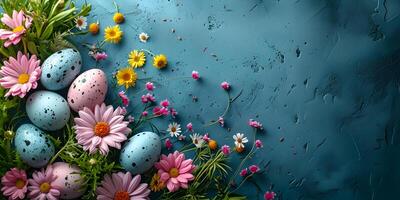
pixel 243 161
pixel 148 51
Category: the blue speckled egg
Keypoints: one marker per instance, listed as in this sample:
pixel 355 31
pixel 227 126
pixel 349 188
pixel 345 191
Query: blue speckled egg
pixel 60 69
pixel 140 152
pixel 47 110
pixel 33 145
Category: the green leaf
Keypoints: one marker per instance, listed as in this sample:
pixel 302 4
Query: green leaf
pixel 32 48
pixel 47 32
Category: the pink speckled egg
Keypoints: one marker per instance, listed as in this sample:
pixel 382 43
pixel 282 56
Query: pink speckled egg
pixel 68 180
pixel 87 90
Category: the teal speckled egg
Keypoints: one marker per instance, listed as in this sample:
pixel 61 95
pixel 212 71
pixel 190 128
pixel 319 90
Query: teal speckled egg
pixel 33 145
pixel 60 69
pixel 47 110
pixel 140 152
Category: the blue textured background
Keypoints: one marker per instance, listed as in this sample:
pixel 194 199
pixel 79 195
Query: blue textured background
pixel 321 75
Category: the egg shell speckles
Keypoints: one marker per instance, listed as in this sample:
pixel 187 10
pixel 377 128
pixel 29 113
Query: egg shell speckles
pixel 68 180
pixel 33 145
pixel 140 152
pixel 60 69
pixel 88 90
pixel 47 110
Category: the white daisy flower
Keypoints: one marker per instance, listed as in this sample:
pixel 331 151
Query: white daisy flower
pixel 81 22
pixel 197 140
pixel 143 37
pixel 240 140
pixel 174 129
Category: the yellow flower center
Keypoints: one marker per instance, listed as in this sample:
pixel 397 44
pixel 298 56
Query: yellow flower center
pixel 44 187
pixel 102 129
pixel 23 78
pixel 126 77
pixel 136 58
pixel 239 140
pixel 112 33
pixel 18 29
pixel 20 183
pixel 160 63
pixel 174 172
pixel 121 195
pixel 173 129
pixel 143 37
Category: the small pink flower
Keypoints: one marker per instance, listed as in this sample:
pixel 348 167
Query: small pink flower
pixel 226 150
pixel 175 171
pixel 254 168
pixel 42 185
pixel 124 98
pixel 17 24
pixel 181 137
pixel 148 98
pixel 15 184
pixel 269 195
pixel 255 124
pixel 168 144
pixel 160 111
pixel 101 128
pixel 221 121
pixel 122 186
pixel 20 74
pixel 206 137
pixel 173 112
pixel 189 126
pixel 164 103
pixel 99 56
pixel 259 144
pixel 195 75
pixel 225 85
pixel 145 113
pixel 149 86
pixel 243 172
pixel 131 119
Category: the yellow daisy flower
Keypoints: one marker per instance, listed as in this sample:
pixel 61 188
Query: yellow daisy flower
pixel 118 18
pixel 156 184
pixel 126 77
pixel 137 58
pixel 160 61
pixel 113 34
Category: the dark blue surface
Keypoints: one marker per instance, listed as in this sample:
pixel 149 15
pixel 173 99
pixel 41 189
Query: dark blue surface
pixel 321 75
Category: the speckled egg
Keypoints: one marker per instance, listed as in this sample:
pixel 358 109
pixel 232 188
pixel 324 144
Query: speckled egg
pixel 68 180
pixel 140 152
pixel 47 110
pixel 87 90
pixel 33 145
pixel 60 69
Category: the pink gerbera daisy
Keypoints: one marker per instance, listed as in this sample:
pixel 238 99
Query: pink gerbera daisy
pixel 20 75
pixel 175 170
pixel 120 186
pixel 17 24
pixel 14 184
pixel 41 185
pixel 100 129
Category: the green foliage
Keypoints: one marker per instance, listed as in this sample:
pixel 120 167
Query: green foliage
pixel 8 157
pixel 93 166
pixel 53 21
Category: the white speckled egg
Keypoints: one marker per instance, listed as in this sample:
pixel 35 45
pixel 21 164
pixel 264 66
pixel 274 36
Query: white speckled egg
pixel 60 69
pixel 140 152
pixel 68 180
pixel 88 90
pixel 47 110
pixel 33 145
